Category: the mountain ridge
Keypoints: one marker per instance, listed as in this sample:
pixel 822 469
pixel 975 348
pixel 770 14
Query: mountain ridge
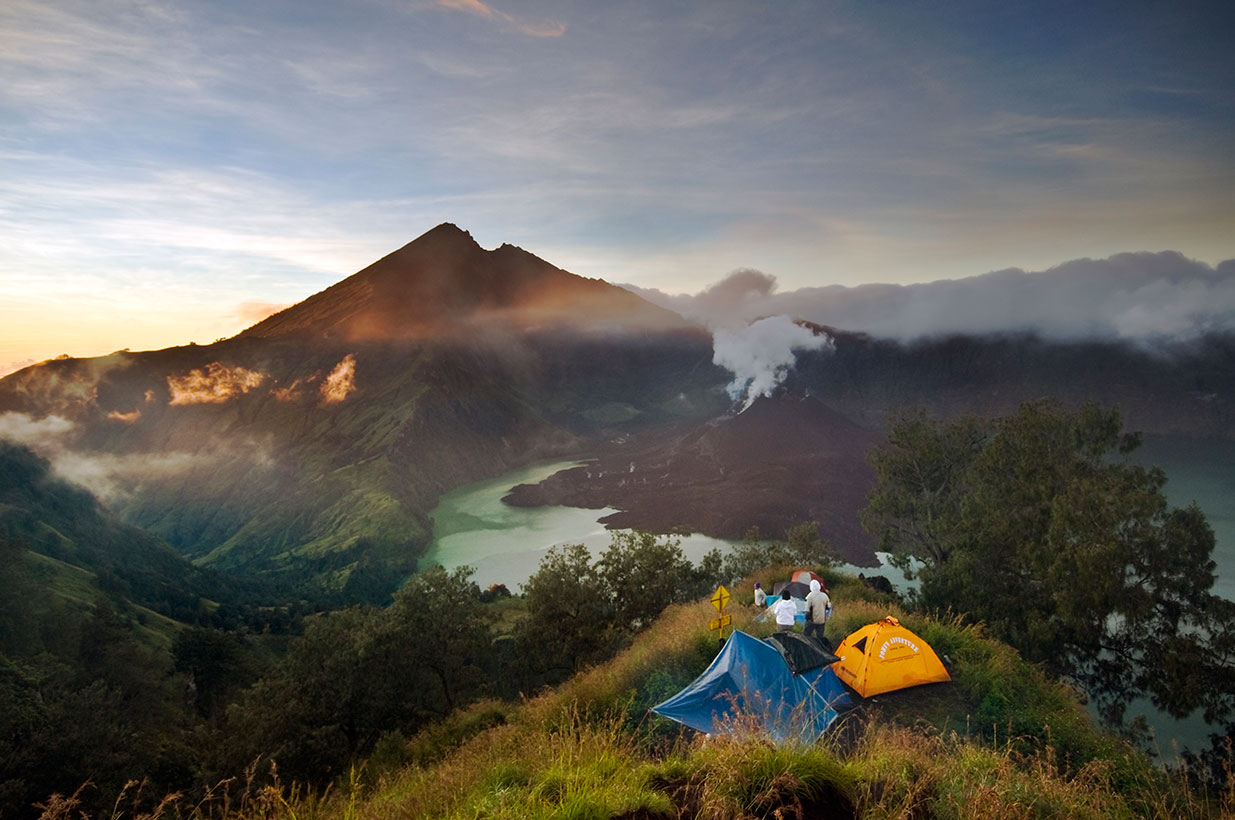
pixel 311 448
pixel 444 282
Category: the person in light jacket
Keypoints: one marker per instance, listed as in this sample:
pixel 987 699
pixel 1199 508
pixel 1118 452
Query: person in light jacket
pixel 785 610
pixel 818 604
pixel 761 597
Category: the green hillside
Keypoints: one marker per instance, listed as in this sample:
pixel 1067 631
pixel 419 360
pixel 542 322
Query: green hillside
pixel 999 741
pixel 85 550
pixel 97 622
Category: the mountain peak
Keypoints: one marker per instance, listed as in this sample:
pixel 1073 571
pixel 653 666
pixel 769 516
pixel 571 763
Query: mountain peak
pixel 443 282
pixel 447 230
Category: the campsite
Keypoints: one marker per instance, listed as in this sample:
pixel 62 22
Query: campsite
pixel 791 687
pixel 1000 740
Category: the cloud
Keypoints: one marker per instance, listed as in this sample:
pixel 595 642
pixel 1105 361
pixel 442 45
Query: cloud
pixel 479 9
pixel 216 384
pixel 761 354
pixel 250 313
pixel 25 429
pixel 341 382
pixel 1134 296
pixel 13 367
pixel 110 476
pixel 290 393
pixel 124 418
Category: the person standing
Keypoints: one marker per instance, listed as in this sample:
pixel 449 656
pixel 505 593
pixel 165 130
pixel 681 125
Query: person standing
pixel 761 597
pixel 785 610
pixel 818 605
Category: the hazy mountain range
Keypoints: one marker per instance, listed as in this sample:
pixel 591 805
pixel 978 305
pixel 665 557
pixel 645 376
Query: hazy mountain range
pixel 310 448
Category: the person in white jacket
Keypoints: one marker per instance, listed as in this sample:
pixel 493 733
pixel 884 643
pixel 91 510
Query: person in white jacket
pixel 817 606
pixel 785 610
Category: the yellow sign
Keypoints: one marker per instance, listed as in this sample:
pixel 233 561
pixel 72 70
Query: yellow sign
pixel 720 598
pixel 722 621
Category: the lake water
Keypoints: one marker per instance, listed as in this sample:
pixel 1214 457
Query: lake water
pixel 505 544
pixel 1202 471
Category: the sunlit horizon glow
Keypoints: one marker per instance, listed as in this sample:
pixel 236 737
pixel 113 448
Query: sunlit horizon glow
pixel 171 170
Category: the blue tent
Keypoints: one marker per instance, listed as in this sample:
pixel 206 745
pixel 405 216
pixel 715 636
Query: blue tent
pixel 750 685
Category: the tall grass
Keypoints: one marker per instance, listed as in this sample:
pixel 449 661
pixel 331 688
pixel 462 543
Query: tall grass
pixel 909 773
pixel 231 799
pixel 1000 741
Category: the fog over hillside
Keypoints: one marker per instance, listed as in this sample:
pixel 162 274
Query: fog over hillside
pixel 1136 296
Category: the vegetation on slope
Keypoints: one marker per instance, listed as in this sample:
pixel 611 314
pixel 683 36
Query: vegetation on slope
pixel 1000 741
pixel 1039 526
pixel 1005 738
pixel 93 619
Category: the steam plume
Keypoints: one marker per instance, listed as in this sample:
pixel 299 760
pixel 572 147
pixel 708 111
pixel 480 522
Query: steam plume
pixel 761 354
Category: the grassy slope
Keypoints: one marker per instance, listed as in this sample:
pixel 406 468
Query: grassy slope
pixel 999 741
pixel 79 589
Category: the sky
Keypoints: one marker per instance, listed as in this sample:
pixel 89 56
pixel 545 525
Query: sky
pixel 173 170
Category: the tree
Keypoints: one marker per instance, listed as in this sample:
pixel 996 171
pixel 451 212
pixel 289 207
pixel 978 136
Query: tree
pixel 1037 525
pixel 361 672
pixel 437 634
pixel 580 612
pixel 571 615
pixel 315 710
pixel 217 664
pixel 802 547
pixel 642 576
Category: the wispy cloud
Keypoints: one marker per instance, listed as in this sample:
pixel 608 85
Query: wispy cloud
pixel 479 9
pixel 25 429
pixel 109 475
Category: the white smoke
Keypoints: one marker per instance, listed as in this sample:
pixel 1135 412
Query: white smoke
pixel 761 354
pixel 1132 296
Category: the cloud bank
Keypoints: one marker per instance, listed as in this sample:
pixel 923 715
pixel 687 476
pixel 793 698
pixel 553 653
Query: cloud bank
pixel 1131 296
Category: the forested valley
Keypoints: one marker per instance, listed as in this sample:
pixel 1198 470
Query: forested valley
pixel 122 662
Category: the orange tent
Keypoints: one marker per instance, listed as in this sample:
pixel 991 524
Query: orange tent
pixel 805 576
pixel 885 656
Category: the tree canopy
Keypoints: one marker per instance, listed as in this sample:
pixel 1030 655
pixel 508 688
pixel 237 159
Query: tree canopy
pixel 580 611
pixel 1038 525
